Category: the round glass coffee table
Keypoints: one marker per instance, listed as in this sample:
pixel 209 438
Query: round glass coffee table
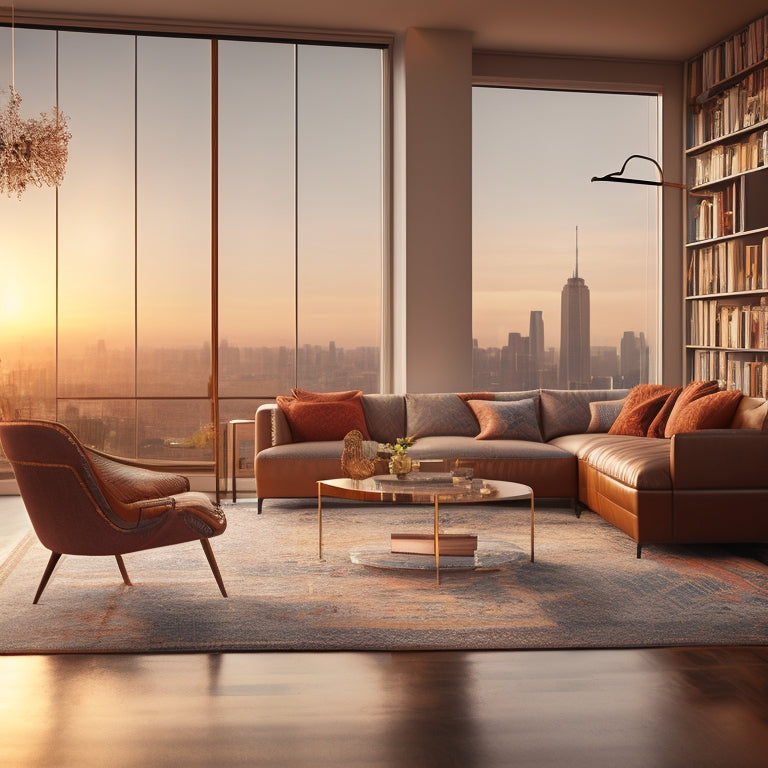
pixel 421 488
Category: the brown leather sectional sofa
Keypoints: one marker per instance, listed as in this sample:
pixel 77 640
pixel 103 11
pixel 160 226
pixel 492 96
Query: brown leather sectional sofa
pixel 704 486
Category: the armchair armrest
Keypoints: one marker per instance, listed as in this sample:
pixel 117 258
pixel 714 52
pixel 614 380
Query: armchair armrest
pixel 714 459
pixel 128 483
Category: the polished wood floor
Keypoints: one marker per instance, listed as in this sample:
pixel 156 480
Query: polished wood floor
pixel 655 708
pixel 617 708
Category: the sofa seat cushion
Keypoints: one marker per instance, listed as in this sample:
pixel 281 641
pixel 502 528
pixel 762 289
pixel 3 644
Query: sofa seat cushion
pixel 579 444
pixel 310 450
pixel 455 447
pixel 637 462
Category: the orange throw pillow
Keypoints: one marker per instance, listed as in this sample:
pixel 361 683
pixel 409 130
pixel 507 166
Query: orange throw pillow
pixel 640 408
pixel 713 411
pixel 691 392
pixel 312 420
pixel 325 397
pixel 659 424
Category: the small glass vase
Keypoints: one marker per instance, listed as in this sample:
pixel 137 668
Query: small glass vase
pixel 400 464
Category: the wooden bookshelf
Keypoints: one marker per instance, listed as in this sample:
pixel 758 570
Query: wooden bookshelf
pixel 726 254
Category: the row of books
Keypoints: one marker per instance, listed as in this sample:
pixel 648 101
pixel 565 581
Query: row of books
pixel 723 161
pixel 743 105
pixel 743 49
pixel 733 370
pixel 717 215
pixel 715 324
pixel 728 266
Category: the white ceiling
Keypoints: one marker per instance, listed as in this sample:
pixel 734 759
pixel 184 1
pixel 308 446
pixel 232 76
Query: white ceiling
pixel 636 29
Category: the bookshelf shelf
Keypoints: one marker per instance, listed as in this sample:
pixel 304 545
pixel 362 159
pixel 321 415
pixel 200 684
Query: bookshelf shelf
pixel 726 253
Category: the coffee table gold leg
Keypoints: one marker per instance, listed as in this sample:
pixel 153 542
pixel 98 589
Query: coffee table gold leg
pixel 437 542
pixel 319 523
pixel 532 514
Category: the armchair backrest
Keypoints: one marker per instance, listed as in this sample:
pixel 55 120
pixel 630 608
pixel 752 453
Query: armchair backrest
pixel 65 503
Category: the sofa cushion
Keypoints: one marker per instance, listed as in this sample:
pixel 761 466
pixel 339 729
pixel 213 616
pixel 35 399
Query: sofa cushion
pixel 522 394
pixel 442 447
pixel 751 413
pixel 311 420
pixel 467 396
pixel 602 414
pixel 640 408
pixel 637 462
pixel 691 392
pixel 512 420
pixel 713 411
pixel 328 397
pixel 659 424
pixel 385 417
pixel 439 414
pixel 566 411
pixel 579 444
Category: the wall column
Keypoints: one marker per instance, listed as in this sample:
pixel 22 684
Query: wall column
pixel 432 211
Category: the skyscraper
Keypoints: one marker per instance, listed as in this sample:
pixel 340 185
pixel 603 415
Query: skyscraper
pixel 574 331
pixel 536 335
pixel 634 359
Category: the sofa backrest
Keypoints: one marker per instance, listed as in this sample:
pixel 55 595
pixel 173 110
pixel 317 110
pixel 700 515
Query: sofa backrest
pixel 566 411
pixel 385 417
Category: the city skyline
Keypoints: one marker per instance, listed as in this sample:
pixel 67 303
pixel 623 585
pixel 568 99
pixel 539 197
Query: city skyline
pixel 535 153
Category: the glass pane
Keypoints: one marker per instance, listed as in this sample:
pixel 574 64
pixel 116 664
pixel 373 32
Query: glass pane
pixel 534 153
pixel 256 218
pixel 339 217
pixel 175 430
pixel 28 248
pixel 107 425
pixel 96 217
pixel 173 145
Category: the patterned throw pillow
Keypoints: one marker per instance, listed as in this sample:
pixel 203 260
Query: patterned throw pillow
pixel 507 420
pixel 692 391
pixel 603 413
pixel 312 420
pixel 439 414
pixel 714 411
pixel 641 407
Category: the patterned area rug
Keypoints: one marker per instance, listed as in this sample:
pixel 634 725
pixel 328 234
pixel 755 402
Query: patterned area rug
pixel 586 589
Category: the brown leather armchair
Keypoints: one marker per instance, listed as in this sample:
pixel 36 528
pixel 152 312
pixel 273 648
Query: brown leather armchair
pixel 82 502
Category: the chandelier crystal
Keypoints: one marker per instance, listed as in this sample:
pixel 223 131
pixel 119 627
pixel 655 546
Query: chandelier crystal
pixel 32 151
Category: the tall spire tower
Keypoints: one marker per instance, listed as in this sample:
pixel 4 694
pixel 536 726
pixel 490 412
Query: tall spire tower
pixel 574 368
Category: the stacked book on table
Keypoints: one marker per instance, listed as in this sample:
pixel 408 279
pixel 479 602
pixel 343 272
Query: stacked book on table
pixel 451 544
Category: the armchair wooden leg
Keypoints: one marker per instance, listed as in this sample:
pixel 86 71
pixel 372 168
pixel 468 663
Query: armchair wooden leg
pixel 54 559
pixel 123 572
pixel 214 567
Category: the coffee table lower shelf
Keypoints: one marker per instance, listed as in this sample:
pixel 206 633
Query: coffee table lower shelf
pixel 386 489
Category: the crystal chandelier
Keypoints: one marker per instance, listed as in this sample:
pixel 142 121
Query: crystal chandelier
pixel 32 151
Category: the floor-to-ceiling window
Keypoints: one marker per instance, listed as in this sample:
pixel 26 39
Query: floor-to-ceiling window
pixel 251 166
pixel 565 271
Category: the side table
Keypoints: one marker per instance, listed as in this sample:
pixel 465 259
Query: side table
pixel 233 423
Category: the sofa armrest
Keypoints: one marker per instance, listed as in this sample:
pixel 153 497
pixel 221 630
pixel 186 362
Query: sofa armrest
pixel 271 427
pixel 714 459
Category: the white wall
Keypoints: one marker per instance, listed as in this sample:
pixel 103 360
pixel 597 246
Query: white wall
pixel 432 211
